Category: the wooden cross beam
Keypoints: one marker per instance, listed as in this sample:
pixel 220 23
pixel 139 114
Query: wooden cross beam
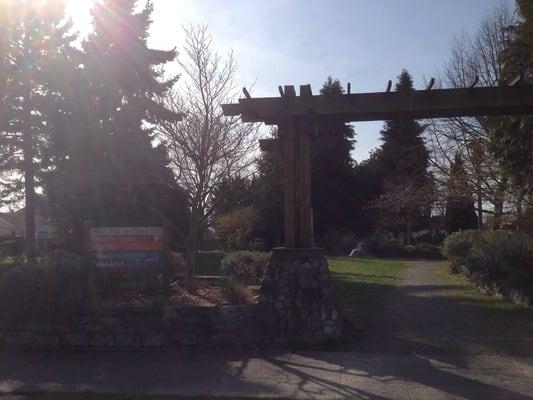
pixel 435 103
pixel 296 118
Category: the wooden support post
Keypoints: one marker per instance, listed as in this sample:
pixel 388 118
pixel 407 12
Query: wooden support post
pixel 305 224
pixel 288 137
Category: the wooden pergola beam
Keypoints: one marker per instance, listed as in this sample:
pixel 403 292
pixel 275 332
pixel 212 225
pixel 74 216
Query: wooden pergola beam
pixel 439 103
pixel 297 116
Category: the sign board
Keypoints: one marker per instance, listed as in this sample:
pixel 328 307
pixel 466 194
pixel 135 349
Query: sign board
pixel 127 246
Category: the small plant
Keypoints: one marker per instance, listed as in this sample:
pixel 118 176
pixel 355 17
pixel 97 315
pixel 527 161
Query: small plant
pixel 246 267
pixel 238 293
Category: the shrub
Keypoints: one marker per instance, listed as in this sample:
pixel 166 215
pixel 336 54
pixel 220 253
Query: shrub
pixel 432 238
pixel 12 248
pixel 68 279
pixel 457 247
pixel 53 290
pixel 410 250
pixel 427 250
pixel 503 257
pixel 246 267
pixel 238 293
pixel 380 246
pixel 236 227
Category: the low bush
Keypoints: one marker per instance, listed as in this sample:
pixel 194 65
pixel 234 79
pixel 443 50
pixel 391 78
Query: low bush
pixel 427 250
pixel 12 248
pixel 52 290
pixel 238 293
pixel 502 257
pixel 379 246
pixel 458 246
pixel 410 250
pixel 494 259
pixel 246 267
pixel 435 239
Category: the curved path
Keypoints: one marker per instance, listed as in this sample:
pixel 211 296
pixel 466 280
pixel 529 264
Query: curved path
pixel 431 311
pixel 436 338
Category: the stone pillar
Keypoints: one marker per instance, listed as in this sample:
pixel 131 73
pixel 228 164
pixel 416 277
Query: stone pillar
pixel 297 297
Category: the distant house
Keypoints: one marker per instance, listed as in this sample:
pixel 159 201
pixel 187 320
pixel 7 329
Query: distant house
pixel 15 221
pixel 7 230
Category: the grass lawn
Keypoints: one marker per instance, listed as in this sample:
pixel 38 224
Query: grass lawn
pixel 494 316
pixel 362 286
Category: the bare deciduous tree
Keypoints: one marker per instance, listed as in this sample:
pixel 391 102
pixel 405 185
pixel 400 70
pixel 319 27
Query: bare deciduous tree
pixel 479 56
pixel 404 204
pixel 205 147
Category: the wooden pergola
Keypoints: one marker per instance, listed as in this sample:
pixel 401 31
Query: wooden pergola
pixel 297 116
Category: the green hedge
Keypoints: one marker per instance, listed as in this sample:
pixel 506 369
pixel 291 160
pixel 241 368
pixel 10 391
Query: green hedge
pixel 458 246
pixel 52 290
pixel 500 258
pixel 379 246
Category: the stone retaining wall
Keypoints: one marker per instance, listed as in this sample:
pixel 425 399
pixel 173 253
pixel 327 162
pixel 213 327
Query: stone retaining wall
pixel 143 326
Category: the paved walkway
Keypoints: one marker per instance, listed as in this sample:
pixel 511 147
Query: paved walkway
pixel 429 344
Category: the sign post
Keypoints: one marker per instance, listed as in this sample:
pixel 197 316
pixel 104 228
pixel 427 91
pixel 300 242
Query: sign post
pixel 128 247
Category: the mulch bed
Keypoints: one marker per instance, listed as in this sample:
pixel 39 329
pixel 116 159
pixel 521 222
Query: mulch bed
pixel 205 293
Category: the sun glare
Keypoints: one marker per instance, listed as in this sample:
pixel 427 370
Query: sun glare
pixel 79 11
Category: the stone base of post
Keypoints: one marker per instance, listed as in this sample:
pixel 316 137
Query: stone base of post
pixel 298 299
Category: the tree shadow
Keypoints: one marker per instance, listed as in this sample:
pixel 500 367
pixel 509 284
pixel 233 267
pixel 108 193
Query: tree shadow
pixel 426 340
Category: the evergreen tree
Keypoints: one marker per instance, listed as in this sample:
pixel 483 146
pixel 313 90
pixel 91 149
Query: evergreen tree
pixel 333 185
pixel 511 139
pixel 36 66
pixel 111 168
pixel 404 157
pixel 460 210
pixel 268 195
pixel 404 161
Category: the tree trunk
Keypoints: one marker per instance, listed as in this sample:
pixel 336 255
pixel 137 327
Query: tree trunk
pixel 408 234
pixel 29 193
pixel 479 207
pixel 498 204
pixel 192 245
pixel 29 173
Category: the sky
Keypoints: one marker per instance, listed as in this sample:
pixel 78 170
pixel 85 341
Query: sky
pixel 294 42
